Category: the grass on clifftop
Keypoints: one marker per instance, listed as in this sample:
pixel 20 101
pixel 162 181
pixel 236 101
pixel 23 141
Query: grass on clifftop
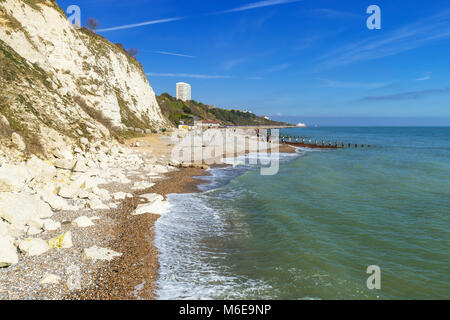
pixel 176 110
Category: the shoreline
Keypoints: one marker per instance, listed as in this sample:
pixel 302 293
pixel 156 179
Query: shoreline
pixel 133 271
pixel 134 274
pixel 140 282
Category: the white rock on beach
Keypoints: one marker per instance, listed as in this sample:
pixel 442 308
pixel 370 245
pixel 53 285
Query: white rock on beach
pixel 68 192
pixel 50 279
pixel 62 241
pixel 56 202
pixel 80 166
pixel 96 204
pixel 98 253
pixel 39 168
pixel 155 207
pixel 152 197
pixel 33 246
pixel 66 164
pixel 139 185
pixel 13 177
pixel 83 222
pixel 19 209
pixel 8 252
pixel 51 225
pixel 121 195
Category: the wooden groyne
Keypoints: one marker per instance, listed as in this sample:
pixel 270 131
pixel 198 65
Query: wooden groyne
pixel 307 142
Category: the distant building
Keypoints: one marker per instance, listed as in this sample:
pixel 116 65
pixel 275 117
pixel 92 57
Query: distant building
pixel 183 91
pixel 205 124
pixel 301 125
pixel 266 117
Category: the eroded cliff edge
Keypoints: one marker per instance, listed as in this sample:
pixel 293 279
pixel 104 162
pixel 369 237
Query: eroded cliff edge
pixel 59 84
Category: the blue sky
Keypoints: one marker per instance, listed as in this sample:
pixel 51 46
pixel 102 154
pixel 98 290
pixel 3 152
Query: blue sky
pixel 312 60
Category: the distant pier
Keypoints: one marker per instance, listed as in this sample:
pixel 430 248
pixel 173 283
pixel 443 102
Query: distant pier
pixel 306 142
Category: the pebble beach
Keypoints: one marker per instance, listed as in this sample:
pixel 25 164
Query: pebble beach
pixel 106 249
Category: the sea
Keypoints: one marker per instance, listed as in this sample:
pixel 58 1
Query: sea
pixel 313 230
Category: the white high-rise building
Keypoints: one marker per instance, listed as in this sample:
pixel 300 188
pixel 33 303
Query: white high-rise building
pixel 183 91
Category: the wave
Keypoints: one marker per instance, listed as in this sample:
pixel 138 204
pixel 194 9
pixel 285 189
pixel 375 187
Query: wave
pixel 190 239
pixel 191 261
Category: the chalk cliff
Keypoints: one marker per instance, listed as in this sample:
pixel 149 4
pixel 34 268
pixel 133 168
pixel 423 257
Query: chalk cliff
pixel 59 84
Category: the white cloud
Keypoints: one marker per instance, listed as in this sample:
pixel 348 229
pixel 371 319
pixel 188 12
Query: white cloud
pixel 351 85
pixel 403 39
pixel 227 65
pixel 249 6
pixel 333 14
pixel 277 68
pixel 427 76
pixel 254 78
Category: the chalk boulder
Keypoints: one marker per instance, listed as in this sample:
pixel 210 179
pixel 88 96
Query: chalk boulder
pixel 84 222
pixel 8 252
pixel 51 225
pixel 33 246
pixel 13 177
pixel 98 253
pixel 50 279
pixel 20 209
pixel 62 241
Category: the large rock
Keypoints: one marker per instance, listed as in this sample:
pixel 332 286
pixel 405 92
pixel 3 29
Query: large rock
pixel 98 253
pixel 51 225
pixel 20 209
pixel 8 252
pixel 62 241
pixel 80 166
pixel 13 177
pixel 40 169
pixel 56 202
pixel 33 246
pixel 140 185
pixel 68 192
pixel 96 204
pixel 66 164
pixel 50 279
pixel 121 195
pixel 156 206
pixel 152 197
pixel 84 222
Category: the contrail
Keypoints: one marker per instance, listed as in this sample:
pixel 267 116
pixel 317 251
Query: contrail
pixel 259 4
pixel 129 26
pixel 250 6
pixel 173 54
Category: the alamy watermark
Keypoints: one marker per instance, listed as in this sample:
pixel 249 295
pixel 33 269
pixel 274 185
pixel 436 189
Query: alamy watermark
pixel 374 280
pixel 213 145
pixel 374 20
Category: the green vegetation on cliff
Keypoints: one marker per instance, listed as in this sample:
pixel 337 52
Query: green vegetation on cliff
pixel 176 110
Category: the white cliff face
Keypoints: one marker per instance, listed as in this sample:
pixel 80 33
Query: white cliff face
pixel 74 63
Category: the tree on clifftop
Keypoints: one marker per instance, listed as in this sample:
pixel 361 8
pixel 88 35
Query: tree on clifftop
pixel 133 52
pixel 92 23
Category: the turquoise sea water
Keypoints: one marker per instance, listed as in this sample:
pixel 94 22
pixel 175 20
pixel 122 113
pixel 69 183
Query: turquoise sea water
pixel 311 231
